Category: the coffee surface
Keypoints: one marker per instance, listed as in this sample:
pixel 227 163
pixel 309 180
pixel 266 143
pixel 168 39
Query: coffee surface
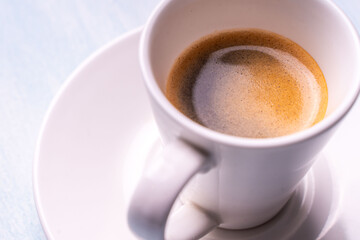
pixel 248 83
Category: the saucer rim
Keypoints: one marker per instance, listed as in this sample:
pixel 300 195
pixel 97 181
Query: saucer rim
pixel 63 88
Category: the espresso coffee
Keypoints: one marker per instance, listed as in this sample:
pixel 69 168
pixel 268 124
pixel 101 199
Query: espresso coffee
pixel 248 83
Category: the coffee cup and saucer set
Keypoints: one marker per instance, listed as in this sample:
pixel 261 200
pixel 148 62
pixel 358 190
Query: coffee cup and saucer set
pixel 116 160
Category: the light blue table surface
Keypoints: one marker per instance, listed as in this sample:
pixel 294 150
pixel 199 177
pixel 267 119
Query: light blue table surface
pixel 41 43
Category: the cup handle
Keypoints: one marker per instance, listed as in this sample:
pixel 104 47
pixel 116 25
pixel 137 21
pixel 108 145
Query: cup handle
pixel 160 185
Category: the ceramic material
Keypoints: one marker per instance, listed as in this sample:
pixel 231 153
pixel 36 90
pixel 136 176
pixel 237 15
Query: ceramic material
pixel 236 183
pixel 87 164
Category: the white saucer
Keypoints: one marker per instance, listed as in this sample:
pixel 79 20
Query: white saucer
pixel 99 131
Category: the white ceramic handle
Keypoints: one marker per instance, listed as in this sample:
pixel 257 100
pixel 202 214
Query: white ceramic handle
pixel 190 222
pixel 159 187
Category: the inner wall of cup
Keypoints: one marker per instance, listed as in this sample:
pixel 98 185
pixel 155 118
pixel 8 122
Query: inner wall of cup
pixel 316 25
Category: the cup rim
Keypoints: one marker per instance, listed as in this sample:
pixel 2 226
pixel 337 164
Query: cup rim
pixel 155 91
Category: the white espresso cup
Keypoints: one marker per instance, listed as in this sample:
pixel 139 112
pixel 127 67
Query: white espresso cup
pixel 236 183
